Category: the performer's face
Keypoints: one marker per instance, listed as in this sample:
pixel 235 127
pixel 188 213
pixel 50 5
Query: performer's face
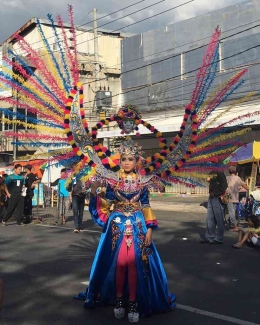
pixel 128 163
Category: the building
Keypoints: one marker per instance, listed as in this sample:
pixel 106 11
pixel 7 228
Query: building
pixel 99 71
pixel 175 52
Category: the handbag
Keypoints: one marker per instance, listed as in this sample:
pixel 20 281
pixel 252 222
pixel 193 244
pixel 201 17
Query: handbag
pixel 225 197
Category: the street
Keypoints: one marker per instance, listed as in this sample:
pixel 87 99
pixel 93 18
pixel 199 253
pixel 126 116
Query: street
pixel 43 267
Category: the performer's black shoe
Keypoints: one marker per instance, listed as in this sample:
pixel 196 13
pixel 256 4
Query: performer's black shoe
pixel 120 309
pixel 133 315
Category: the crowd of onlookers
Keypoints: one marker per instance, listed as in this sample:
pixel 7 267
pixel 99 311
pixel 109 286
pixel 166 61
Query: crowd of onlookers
pixel 224 208
pixel 17 191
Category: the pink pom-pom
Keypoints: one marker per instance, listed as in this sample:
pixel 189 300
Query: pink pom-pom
pixel 142 172
pixel 137 134
pixel 122 132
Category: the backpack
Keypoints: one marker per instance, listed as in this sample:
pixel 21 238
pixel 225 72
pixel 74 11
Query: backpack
pixel 218 186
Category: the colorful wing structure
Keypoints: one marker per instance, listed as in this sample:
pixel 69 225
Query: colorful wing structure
pixel 202 142
pixel 41 81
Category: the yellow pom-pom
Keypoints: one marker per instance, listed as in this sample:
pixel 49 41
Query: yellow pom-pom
pixel 106 122
pixel 68 103
pixel 149 159
pixel 79 153
pixel 100 153
pixel 161 144
pixel 67 116
pixel 79 84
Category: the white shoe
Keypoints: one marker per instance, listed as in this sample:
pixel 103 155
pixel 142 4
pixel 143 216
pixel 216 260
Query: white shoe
pixel 133 317
pixel 119 312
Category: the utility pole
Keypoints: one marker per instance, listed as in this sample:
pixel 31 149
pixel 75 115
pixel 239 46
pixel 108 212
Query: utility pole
pixel 96 50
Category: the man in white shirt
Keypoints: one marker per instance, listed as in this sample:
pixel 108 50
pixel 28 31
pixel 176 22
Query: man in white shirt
pixel 234 183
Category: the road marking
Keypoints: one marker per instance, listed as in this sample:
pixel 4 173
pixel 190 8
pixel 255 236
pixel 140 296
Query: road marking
pixel 178 306
pixel 214 315
pixel 65 228
pixel 86 283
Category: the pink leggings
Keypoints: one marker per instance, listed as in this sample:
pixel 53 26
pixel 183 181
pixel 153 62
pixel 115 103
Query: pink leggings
pixel 126 259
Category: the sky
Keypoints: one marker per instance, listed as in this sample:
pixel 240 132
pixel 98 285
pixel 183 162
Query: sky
pixel 15 13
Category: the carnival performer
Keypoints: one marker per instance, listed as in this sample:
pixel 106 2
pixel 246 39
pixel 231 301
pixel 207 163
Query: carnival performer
pixel 126 247
pixel 55 94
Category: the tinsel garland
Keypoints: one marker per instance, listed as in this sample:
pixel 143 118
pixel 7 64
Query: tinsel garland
pixel 208 79
pixel 30 96
pixel 18 115
pixel 51 60
pixel 221 137
pixel 67 49
pixel 16 103
pixel 35 136
pixel 31 85
pixel 33 126
pixel 63 59
pixel 39 64
pixel 31 73
pixel 207 61
pixel 40 144
pixel 234 104
pixel 75 71
pixel 221 95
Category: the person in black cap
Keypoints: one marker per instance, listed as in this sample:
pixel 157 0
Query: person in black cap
pixel 30 181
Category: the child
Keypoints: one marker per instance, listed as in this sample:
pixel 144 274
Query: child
pixel 254 229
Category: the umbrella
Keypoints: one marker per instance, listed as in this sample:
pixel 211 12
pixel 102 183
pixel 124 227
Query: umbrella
pixel 246 154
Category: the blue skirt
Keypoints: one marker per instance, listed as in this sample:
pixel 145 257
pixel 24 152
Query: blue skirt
pixel 152 289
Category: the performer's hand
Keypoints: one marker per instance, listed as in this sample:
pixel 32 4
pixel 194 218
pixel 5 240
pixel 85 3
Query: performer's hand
pixel 95 185
pixel 8 195
pixel 148 237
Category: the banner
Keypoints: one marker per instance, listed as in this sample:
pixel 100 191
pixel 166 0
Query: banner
pixel 38 195
pixel 253 178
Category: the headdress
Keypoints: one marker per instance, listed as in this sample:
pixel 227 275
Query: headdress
pixel 129 147
pixel 128 113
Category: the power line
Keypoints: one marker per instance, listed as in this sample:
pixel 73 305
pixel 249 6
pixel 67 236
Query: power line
pixel 176 55
pixel 47 38
pixel 221 74
pixel 181 75
pixel 118 30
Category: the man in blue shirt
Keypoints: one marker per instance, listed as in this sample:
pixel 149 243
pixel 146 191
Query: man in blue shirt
pixel 14 186
pixel 64 196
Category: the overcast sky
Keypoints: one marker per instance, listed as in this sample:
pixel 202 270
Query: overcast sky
pixel 15 13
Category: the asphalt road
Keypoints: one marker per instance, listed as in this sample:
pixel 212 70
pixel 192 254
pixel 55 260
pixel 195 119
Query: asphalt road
pixel 43 267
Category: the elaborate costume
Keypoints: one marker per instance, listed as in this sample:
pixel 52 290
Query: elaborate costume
pixel 53 93
pixel 122 244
